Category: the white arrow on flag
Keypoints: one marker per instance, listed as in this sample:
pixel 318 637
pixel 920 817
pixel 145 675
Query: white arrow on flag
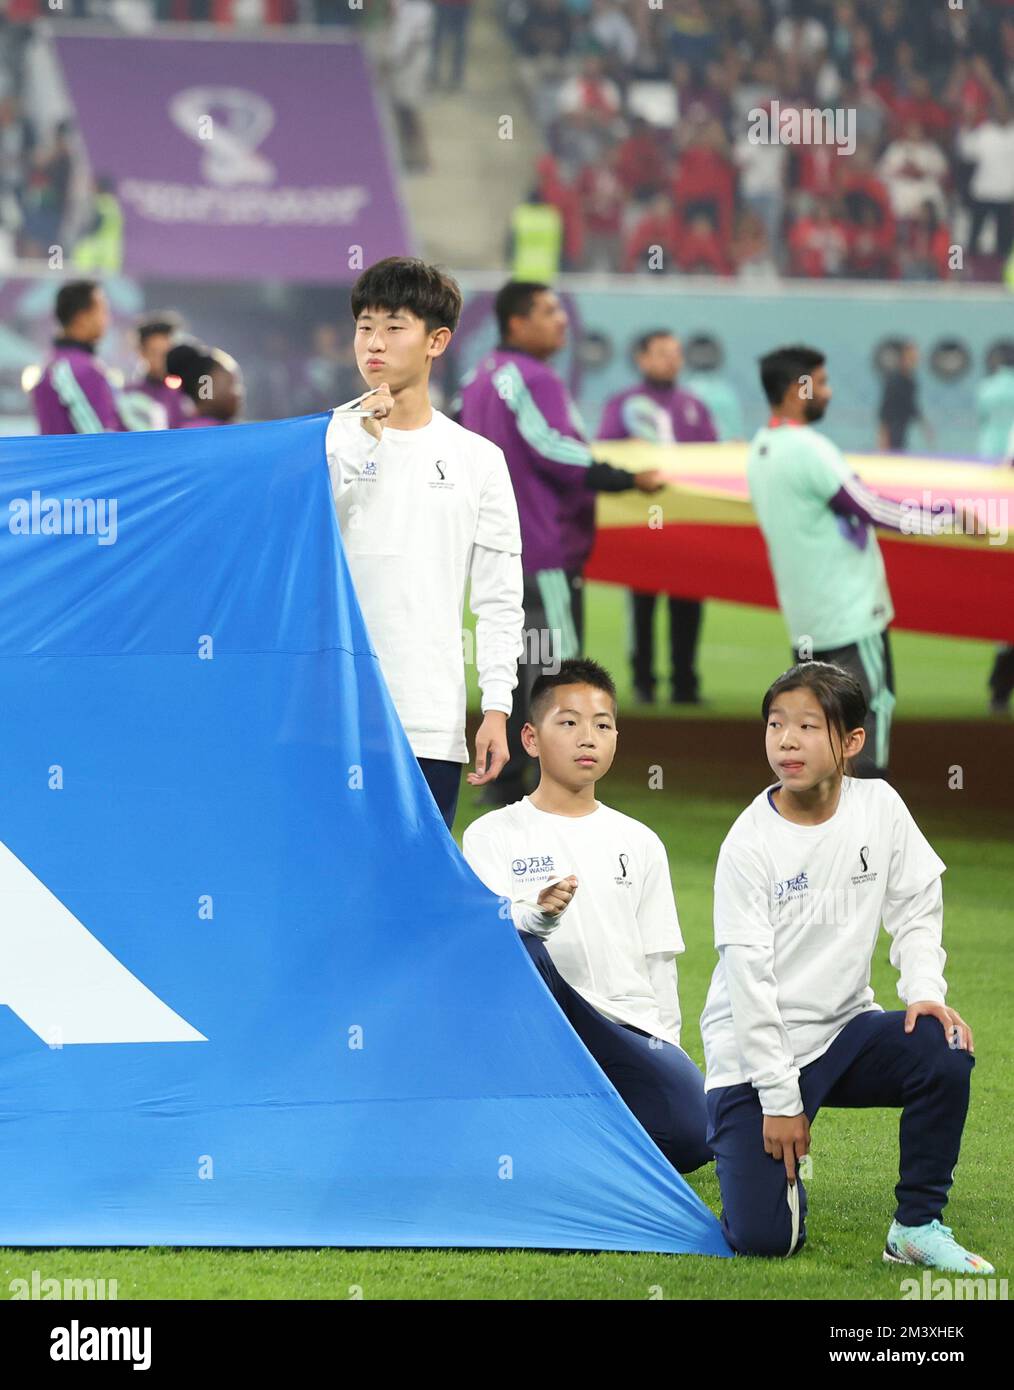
pixel 62 982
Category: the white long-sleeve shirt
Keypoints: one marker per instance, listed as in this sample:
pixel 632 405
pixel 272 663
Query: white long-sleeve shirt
pixel 423 512
pixel 990 147
pixel 798 909
pixel 617 940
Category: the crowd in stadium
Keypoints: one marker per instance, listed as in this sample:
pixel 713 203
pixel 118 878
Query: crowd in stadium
pixel 648 115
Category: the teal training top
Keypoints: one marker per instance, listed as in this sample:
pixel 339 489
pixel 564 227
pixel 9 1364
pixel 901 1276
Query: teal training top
pixel 994 404
pixel 828 569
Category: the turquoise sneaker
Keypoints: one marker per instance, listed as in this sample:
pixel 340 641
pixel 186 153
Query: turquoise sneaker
pixel 933 1246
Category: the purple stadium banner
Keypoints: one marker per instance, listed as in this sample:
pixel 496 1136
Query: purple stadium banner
pixel 238 159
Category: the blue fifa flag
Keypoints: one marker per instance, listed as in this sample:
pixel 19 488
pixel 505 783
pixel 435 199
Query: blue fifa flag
pixel 251 992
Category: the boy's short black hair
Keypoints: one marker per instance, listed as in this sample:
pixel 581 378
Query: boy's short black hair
pixel 406 282
pixel 516 298
pixel 644 342
pixel 782 368
pixel 74 298
pixel 167 321
pixel 576 670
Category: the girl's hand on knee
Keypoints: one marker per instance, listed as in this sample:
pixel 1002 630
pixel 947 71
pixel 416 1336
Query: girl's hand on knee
pixel 787 1137
pixel 958 1033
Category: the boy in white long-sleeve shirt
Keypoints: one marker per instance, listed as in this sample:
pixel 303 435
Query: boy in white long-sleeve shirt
pixel 804 879
pixel 424 506
pixel 590 893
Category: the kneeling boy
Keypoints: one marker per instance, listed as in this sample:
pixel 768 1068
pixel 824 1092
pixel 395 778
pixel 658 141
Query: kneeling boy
pixel 591 896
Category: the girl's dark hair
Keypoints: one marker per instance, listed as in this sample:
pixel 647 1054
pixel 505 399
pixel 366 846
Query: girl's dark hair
pixel 191 362
pixel 837 692
pixel 405 282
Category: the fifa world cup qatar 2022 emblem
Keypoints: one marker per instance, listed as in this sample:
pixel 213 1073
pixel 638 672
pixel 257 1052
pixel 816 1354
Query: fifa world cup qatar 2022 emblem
pixel 228 123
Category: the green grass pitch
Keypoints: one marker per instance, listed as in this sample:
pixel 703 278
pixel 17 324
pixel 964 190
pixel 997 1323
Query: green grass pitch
pixel 855 1153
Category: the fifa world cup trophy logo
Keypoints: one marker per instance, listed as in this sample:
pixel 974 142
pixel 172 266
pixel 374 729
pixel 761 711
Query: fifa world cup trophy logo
pixel 228 123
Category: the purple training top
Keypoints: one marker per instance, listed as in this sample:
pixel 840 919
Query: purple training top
pixel 663 414
pixel 520 403
pixel 175 402
pixel 74 394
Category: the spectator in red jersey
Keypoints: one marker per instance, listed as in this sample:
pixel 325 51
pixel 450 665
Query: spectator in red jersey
pixel 818 242
pixel 819 169
pixel 871 246
pixel 699 250
pixel 590 95
pixel 641 161
pixel 653 241
pixel 603 198
pixel 918 104
pixel 925 249
pixel 705 180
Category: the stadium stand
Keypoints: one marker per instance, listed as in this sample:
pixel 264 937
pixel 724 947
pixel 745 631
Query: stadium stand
pixel 647 117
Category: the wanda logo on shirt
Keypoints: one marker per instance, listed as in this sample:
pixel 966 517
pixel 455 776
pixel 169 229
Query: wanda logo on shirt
pixel 532 870
pixel 792 887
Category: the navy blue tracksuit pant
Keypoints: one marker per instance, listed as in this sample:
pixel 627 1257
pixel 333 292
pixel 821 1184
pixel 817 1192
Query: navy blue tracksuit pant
pixel 872 1062
pixel 657 1081
pixel 444 781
